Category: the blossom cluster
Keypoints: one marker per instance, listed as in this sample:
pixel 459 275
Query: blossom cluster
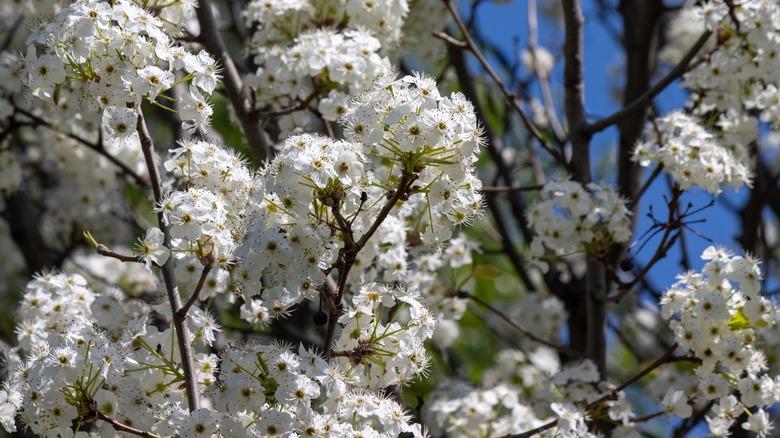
pixel 715 314
pixel 408 117
pixel 321 196
pixel 108 57
pixel 92 355
pixel 570 218
pixel 211 189
pixel 693 155
pixel 318 52
pixel 521 393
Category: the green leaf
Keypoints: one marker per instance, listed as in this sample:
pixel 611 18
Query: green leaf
pixel 739 321
pixel 487 271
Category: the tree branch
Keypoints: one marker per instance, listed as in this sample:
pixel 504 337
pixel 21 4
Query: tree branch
pixel 514 324
pixel 234 87
pixel 121 427
pixel 670 77
pixel 95 147
pixel 196 293
pixel 510 97
pixel 169 276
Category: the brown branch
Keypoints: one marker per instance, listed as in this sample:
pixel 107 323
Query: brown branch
pixel 121 427
pixel 302 105
pixel 544 80
pixel 196 293
pixel 234 87
pixel 504 189
pixel 169 276
pixel 352 247
pixel 510 97
pixel 449 39
pixel 611 395
pixel 660 86
pixel 107 252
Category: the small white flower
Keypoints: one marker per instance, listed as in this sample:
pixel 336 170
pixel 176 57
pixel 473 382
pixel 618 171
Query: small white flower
pixel 152 249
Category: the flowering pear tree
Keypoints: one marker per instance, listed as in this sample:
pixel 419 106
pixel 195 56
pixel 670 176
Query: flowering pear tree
pixel 361 218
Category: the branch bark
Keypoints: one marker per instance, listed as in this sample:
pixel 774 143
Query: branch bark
pixel 169 276
pixel 234 87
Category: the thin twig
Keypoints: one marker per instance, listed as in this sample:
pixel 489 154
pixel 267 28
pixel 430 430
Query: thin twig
pixel 611 395
pixel 449 39
pixel 302 105
pixel 504 189
pixel 121 427
pixel 544 82
pixel 95 147
pixel 648 95
pixel 557 347
pixel 107 252
pixel 196 293
pixel 648 182
pixel 510 97
pixel 169 276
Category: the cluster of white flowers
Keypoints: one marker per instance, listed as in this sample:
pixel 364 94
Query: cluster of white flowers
pixel 317 190
pixel 740 72
pixel 108 56
pixel 521 393
pixel 715 315
pixel 692 155
pixel 206 214
pixel 384 353
pixel 318 52
pixel 89 355
pixel 408 117
pixel 569 218
pixel 438 275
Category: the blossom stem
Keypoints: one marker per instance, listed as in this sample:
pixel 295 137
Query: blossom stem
pixel 196 293
pixel 169 276
pixel 121 427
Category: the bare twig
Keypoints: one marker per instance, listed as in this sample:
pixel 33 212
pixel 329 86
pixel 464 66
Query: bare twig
pixel 302 105
pixel 97 147
pixel 234 87
pixel 169 276
pixel 525 332
pixel 510 97
pixel 660 86
pixel 504 189
pixel 107 252
pixel 196 293
pixel 449 39
pixel 611 395
pixel 121 427
pixel 544 82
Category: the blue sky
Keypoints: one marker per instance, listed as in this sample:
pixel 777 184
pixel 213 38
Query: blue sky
pixel 505 24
